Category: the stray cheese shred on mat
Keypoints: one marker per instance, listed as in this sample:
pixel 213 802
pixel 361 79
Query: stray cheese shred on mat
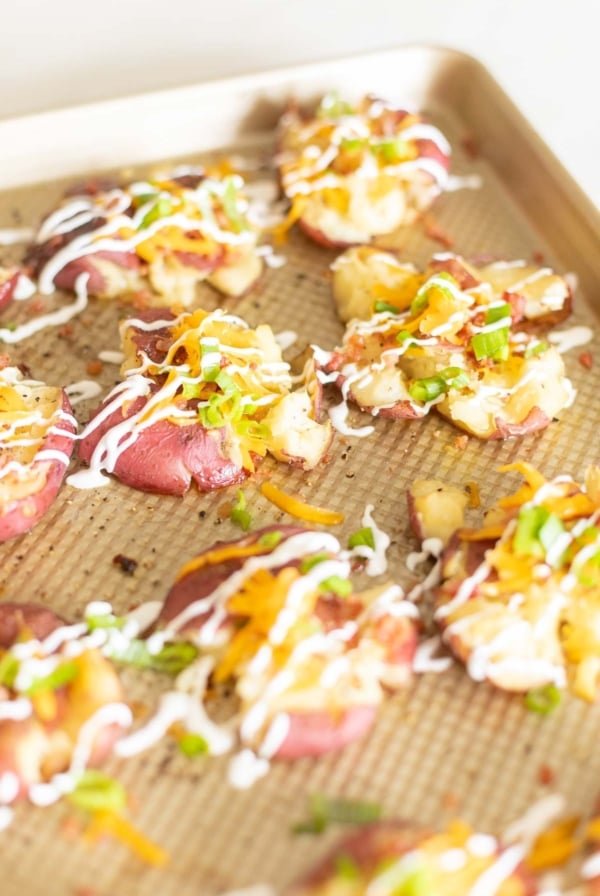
pixel 301 510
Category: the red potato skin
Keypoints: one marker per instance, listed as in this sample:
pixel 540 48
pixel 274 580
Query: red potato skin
pixel 19 516
pixel 318 236
pixel 8 284
pixel 402 410
pixel 533 422
pixel 370 846
pixel 200 583
pixel 310 733
pixel 32 748
pixel 205 263
pixel 165 458
pixel 96 285
pixel 15 618
pixel 317 733
pixel 453 266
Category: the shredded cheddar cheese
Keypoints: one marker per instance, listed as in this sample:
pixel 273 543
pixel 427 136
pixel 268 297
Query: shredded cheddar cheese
pixel 112 824
pixel 300 509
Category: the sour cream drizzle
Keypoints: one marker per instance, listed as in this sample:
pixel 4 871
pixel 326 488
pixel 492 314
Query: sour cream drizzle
pixel 112 209
pixel 9 236
pixel 574 337
pixel 53 318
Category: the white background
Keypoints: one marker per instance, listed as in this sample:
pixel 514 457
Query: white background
pixel 545 53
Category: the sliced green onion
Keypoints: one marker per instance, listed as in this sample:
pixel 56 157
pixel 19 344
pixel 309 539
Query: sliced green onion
pixel 191 390
pixel 309 562
pixel 9 667
pixel 492 344
pixel 192 745
pixel 324 811
pixel 62 675
pixel 227 384
pixel 96 791
pixel 336 585
pixel 143 198
pixel 352 144
pixel 240 516
pixel 537 531
pixel 346 867
pixel 270 539
pixel 253 429
pixel 380 307
pixel 210 374
pixel 529 522
pixel 543 700
pixel 413 882
pixel 427 389
pixel 230 205
pixel 210 415
pixel 550 531
pixel 455 377
pixel 161 209
pixel 404 337
pixel 392 150
pixel 171 660
pixel 538 348
pixel 362 537
pixel 332 106
pixel 497 312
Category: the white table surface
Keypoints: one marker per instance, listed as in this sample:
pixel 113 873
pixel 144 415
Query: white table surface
pixel 544 52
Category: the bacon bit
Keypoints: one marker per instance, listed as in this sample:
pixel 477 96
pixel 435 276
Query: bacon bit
pixel 36 307
pixel 450 801
pixel 126 564
pixel 546 775
pixel 538 257
pixel 461 442
pixel 435 232
pixel 586 360
pixel 472 489
pixel 70 827
pixel 113 825
pixel 94 368
pixel 470 144
pixel 66 332
pixel 555 846
pixel 298 508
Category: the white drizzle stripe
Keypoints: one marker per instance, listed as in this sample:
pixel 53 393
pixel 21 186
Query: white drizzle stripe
pixel 105 237
pixel 492 878
pixel 9 236
pixel 53 318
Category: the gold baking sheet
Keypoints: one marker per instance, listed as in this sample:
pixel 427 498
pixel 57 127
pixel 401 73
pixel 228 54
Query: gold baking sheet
pixel 446 746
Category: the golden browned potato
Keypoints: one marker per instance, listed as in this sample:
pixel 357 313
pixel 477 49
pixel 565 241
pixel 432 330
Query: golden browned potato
pixel 227 401
pixel 518 597
pixel 356 172
pixel 435 509
pixel 150 241
pixel 446 340
pixel 37 431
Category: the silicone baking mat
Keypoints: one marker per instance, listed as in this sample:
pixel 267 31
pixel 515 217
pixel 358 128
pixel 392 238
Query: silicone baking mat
pixel 447 746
